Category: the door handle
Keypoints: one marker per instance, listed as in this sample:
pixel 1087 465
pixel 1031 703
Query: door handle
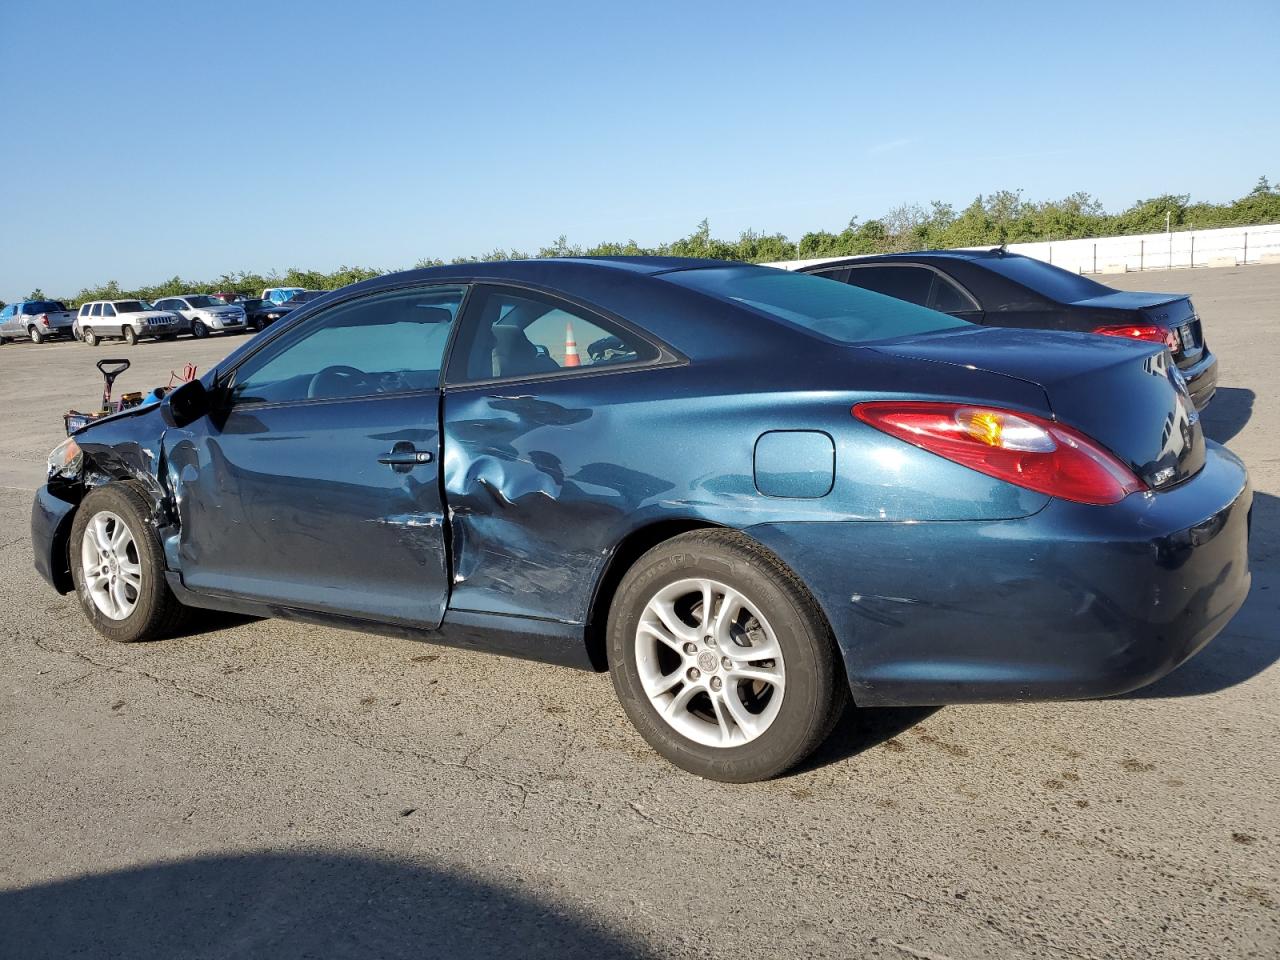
pixel 406 458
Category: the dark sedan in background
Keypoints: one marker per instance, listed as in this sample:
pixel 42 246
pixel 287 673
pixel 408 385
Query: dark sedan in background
pixel 1001 289
pixel 754 495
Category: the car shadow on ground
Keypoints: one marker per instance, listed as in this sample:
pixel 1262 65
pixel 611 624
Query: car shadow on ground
pixel 860 729
pixel 293 905
pixel 1227 413
pixel 1251 642
pixel 199 623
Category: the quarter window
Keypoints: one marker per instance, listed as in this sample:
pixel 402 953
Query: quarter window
pixel 388 343
pixel 947 297
pixel 519 333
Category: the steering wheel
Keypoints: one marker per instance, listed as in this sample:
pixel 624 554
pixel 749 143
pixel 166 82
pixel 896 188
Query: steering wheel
pixel 338 381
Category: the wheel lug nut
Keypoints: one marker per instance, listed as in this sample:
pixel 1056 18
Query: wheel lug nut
pixel 690 649
pixel 726 663
pixel 709 640
pixel 716 683
pixel 694 673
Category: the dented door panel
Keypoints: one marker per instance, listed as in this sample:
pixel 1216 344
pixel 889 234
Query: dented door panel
pixel 290 504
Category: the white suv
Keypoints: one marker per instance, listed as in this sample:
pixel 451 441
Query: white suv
pixel 127 320
pixel 206 314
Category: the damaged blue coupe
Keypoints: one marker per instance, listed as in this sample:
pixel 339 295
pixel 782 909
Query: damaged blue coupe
pixel 750 495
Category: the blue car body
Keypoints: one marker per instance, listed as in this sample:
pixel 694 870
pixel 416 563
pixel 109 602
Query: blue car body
pixel 941 584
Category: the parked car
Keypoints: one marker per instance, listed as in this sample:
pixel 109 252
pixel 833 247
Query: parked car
pixel 35 320
pixel 206 314
pixel 750 495
pixel 996 288
pixel 280 294
pixel 259 313
pixel 229 296
pixel 127 320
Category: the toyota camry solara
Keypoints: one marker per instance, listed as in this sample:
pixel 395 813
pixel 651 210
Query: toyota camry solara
pixel 750 495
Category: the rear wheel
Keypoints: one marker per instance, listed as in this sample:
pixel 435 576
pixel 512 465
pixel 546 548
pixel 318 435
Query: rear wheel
pixel 89 337
pixel 130 335
pixel 117 566
pixel 35 334
pixel 722 659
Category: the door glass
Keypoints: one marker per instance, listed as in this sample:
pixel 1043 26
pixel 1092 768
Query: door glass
pixel 382 344
pixel 97 309
pixel 517 333
pixel 905 283
pixel 108 310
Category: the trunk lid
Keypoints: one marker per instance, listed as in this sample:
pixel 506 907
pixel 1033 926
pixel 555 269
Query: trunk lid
pixel 1126 394
pixel 1174 311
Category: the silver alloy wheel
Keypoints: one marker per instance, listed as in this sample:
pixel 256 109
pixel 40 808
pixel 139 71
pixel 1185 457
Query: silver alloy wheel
pixel 710 663
pixel 111 565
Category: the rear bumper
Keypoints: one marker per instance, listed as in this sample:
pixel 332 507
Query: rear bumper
pixel 1202 379
pixel 1074 602
pixel 51 518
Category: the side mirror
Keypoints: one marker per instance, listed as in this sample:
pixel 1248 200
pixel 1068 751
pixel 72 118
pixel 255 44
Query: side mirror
pixel 186 404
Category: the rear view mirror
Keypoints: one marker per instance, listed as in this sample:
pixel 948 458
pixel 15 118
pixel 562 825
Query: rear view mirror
pixel 186 404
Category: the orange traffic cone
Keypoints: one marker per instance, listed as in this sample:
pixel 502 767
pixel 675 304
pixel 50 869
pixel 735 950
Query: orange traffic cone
pixel 571 358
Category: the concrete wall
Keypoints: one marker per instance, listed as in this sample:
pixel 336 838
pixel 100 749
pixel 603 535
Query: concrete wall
pixel 1223 247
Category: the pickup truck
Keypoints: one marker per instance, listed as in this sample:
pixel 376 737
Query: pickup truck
pixel 36 320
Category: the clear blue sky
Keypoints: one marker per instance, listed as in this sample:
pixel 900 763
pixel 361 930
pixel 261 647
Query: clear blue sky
pixel 144 140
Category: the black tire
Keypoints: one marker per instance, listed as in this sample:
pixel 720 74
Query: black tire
pixel 815 690
pixel 129 334
pixel 35 334
pixel 199 330
pixel 156 613
pixel 88 336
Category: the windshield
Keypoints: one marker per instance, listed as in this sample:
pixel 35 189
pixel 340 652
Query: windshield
pixel 131 306
pixel 42 306
pixel 834 310
pixel 201 301
pixel 1044 278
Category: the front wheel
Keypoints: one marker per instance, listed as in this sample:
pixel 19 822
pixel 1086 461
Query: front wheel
pixel 722 659
pixel 130 335
pixel 117 566
pixel 199 330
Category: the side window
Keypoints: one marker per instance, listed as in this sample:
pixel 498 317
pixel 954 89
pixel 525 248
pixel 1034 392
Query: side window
pixel 520 333
pixel 108 310
pixel 381 344
pixel 947 297
pixel 6 313
pixel 904 283
pixel 97 310
pixel 84 310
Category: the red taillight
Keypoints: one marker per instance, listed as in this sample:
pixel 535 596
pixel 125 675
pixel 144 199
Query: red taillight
pixel 1020 448
pixel 1142 331
pixel 44 318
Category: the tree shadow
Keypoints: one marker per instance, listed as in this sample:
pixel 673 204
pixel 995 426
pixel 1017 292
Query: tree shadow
pixel 1251 642
pixel 292 905
pixel 861 728
pixel 1227 413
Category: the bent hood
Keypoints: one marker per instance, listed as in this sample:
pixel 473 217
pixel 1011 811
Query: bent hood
pixel 1126 394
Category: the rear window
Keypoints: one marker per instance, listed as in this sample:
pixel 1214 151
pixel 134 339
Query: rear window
pixel 1044 278
pixel 131 306
pixel 834 310
pixel 42 306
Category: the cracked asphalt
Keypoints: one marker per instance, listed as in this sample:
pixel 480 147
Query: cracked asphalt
pixel 261 788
